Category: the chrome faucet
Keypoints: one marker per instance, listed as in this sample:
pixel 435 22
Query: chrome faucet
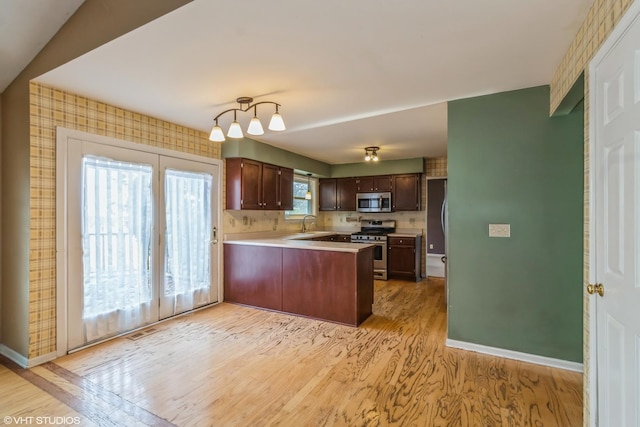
pixel 304 227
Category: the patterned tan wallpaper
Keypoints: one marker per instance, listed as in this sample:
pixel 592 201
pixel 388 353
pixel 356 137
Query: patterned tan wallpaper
pixel 601 19
pixel 49 108
pixel 436 166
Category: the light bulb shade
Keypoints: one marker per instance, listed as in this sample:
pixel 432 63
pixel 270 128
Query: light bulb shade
pixel 308 195
pixel 235 131
pixel 375 157
pixel 216 134
pixel 367 157
pixel 276 122
pixel 255 127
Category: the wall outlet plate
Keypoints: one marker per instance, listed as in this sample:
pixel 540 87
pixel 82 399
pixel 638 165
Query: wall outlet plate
pixel 499 230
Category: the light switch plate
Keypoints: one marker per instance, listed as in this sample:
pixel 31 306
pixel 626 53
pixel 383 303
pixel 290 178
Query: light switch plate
pixel 499 230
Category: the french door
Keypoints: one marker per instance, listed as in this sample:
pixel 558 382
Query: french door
pixel 187 262
pixel 141 239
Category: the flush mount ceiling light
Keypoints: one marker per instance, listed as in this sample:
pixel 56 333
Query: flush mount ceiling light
pixel 255 127
pixel 371 153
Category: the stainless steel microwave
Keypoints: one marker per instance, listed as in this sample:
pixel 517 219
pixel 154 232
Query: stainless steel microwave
pixel 373 202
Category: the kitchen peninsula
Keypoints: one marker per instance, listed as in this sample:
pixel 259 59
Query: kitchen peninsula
pixel 323 280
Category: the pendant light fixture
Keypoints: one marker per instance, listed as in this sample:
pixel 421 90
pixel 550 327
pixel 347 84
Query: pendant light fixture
pixel 308 195
pixel 371 153
pixel 255 126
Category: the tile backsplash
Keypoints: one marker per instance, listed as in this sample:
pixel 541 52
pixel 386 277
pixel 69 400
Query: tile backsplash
pixel 253 221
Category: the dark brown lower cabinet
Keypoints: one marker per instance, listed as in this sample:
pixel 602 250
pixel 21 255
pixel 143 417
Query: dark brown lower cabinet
pixel 403 258
pixel 335 286
pixel 253 275
pixel 321 284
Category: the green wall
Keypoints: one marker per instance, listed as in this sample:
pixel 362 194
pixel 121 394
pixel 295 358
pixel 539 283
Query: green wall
pixel 509 162
pixel 383 167
pixel 251 149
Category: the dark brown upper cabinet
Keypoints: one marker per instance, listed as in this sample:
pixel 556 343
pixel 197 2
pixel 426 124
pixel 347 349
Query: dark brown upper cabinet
pixel 338 194
pixel 253 185
pixel 373 184
pixel 406 192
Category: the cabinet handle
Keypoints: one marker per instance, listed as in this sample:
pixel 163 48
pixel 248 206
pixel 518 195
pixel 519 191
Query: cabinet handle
pixel 214 235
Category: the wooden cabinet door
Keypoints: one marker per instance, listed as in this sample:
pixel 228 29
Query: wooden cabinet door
pixel 346 194
pixel 364 184
pixel 328 200
pixel 401 259
pixel 382 183
pixel 270 186
pixel 406 192
pixel 251 193
pixel 286 189
pixel 233 183
pixel 372 184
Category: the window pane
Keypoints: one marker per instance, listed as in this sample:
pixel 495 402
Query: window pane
pixel 300 207
pixel 117 222
pixel 299 189
pixel 188 228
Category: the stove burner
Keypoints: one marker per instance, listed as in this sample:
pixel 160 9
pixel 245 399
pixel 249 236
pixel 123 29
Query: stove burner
pixel 374 230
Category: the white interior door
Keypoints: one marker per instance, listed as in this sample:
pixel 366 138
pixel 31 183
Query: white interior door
pixel 615 79
pixel 188 265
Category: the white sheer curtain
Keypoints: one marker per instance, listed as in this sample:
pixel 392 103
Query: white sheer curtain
pixel 117 222
pixel 188 219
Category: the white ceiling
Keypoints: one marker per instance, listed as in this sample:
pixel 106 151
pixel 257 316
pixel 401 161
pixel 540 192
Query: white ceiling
pixel 25 28
pixel 348 73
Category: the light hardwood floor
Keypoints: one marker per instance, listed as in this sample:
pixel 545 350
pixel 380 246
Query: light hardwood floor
pixel 237 366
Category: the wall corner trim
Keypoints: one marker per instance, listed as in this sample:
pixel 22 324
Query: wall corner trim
pixel 515 355
pixel 571 99
pixel 22 361
pixel 14 356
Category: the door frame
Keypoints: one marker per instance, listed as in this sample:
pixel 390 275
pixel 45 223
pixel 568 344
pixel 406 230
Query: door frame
pixel 62 136
pixel 619 31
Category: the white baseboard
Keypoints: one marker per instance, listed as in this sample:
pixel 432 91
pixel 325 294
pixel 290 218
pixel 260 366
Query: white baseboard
pixel 24 362
pixel 42 359
pixel 13 355
pixel 516 355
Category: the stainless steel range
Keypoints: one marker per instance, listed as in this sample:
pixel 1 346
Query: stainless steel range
pixel 375 232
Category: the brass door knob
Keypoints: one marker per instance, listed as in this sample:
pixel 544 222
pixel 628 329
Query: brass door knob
pixel 599 289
